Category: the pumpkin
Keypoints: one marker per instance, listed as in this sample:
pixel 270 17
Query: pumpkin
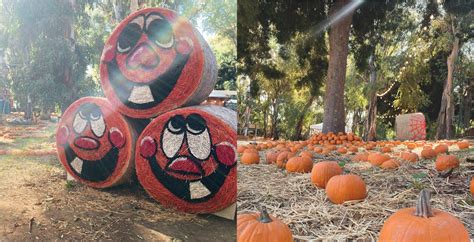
pixel 377 159
pixel 249 158
pixel 271 157
pixel 256 227
pixel 441 148
pixel 409 156
pixel 323 171
pixel 342 150
pixel 428 153
pixel 301 164
pixel 361 157
pixel 472 186
pixel 318 149
pixel 353 149
pixel 386 149
pixel 422 223
pixel 445 162
pixel 251 150
pixel 241 149
pixel 282 158
pixel 390 164
pixel 342 188
pixel 307 154
pixel 463 144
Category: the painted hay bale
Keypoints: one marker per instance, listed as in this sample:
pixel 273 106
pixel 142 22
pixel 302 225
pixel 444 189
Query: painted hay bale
pixel 95 143
pixel 156 61
pixel 186 159
pixel 411 126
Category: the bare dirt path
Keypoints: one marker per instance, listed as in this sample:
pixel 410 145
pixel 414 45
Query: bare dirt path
pixel 36 203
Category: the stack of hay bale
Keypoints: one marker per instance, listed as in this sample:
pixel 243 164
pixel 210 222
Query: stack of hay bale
pixel 155 68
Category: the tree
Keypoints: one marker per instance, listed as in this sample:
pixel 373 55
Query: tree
pixel 458 21
pixel 334 113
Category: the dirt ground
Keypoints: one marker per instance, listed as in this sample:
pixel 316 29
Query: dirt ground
pixel 37 203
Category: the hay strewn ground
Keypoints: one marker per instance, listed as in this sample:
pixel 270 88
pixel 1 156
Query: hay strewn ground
pixel 310 215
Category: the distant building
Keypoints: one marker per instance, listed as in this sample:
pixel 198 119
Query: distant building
pixel 224 98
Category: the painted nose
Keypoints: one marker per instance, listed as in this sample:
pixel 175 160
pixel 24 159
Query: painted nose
pixel 86 143
pixel 143 57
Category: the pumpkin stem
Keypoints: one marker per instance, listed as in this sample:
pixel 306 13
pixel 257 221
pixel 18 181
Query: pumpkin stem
pixel 264 217
pixel 423 207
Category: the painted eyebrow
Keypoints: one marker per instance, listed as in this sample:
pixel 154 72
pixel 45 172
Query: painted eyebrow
pixel 140 20
pixel 151 17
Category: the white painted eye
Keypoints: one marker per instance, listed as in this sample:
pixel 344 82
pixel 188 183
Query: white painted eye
pixel 79 123
pixel 98 126
pixel 199 144
pixel 171 142
pixel 123 49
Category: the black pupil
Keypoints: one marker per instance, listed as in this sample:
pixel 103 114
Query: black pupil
pixel 90 110
pixel 129 36
pixel 196 122
pixel 177 122
pixel 159 30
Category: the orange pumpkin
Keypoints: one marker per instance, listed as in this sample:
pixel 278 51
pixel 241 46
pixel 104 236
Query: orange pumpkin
pixel 301 164
pixel 342 150
pixel 445 162
pixel 386 149
pixel 257 227
pixel 463 144
pixel 307 154
pixel 318 149
pixel 390 164
pixel 249 158
pixel 323 171
pixel 282 158
pixel 472 186
pixel 342 188
pixel 377 159
pixel 422 223
pixel 428 153
pixel 409 156
pixel 241 149
pixel 271 157
pixel 441 148
pixel 361 157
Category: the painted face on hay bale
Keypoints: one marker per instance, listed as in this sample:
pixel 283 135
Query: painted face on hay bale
pixel 92 141
pixel 187 159
pixel 152 63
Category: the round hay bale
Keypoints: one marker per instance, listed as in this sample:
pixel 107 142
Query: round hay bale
pixel 156 61
pixel 95 143
pixel 186 159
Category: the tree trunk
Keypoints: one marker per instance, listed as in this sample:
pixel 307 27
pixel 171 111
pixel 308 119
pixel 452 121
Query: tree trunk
pixel 28 109
pixel 355 121
pixel 133 6
pixel 299 124
pixel 265 121
pixel 372 107
pixel 468 104
pixel 275 120
pixel 446 112
pixel 119 10
pixel 334 114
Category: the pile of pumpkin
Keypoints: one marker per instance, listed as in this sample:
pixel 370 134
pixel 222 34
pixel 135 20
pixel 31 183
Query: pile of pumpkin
pixel 328 175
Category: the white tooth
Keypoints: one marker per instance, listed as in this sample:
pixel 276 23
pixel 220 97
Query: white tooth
pixel 198 190
pixel 76 164
pixel 140 95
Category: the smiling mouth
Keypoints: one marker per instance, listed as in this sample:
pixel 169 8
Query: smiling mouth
pixel 144 96
pixel 194 191
pixel 185 166
pixel 92 170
